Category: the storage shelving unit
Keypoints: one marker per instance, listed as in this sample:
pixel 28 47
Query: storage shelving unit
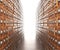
pixel 10 24
pixel 49 24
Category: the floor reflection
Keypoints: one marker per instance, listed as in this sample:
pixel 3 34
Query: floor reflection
pixel 30 45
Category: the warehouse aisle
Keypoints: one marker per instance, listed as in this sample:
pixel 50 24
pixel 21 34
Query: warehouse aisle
pixel 29 13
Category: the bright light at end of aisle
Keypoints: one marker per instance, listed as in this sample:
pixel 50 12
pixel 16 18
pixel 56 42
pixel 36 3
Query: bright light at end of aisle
pixel 29 10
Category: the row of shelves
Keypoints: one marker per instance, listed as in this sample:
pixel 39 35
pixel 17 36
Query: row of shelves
pixel 49 24
pixel 10 24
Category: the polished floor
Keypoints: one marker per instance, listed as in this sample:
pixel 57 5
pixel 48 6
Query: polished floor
pixel 30 45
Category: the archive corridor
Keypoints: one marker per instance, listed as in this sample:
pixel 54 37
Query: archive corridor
pixel 47 31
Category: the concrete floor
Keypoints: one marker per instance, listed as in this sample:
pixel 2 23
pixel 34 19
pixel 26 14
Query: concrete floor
pixel 30 45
